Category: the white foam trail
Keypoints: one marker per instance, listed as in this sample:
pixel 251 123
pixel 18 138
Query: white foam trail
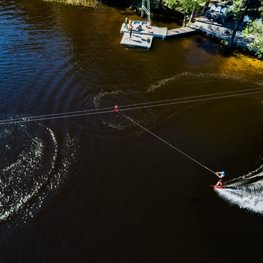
pixel 186 76
pixel 245 192
pixel 97 100
pixel 25 161
pixel 55 150
pixel 18 181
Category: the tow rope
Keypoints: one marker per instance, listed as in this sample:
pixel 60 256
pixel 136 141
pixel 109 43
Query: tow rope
pixel 117 110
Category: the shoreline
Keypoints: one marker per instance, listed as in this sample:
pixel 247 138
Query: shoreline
pixel 223 34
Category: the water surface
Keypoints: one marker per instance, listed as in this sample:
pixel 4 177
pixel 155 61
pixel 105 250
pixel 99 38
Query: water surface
pixel 98 188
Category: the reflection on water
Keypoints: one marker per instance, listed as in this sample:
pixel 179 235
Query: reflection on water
pixel 238 65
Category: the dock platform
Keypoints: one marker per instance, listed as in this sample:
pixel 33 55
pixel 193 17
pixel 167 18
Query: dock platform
pixel 143 33
pixel 212 29
pixel 180 31
pixel 220 32
pixel 137 40
pixel 145 28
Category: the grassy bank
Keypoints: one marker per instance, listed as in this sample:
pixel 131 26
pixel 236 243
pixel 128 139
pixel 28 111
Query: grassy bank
pixel 87 3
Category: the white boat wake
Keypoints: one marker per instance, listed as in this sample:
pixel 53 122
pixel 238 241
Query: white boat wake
pixel 30 168
pixel 245 192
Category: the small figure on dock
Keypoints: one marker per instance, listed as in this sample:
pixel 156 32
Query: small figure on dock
pixel 139 28
pixel 221 176
pixel 116 108
pixel 130 29
pixel 126 22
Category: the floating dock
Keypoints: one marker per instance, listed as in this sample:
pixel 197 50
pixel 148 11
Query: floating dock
pixel 143 33
pixel 137 40
pixel 145 28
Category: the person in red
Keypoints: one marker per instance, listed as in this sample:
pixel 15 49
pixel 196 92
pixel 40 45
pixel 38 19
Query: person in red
pixel 221 176
pixel 116 108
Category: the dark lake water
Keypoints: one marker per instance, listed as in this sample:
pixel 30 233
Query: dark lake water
pixel 99 189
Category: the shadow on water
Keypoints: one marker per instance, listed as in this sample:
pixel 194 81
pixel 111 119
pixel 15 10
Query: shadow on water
pixel 213 46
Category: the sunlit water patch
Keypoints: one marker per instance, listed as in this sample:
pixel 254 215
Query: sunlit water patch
pixel 245 192
pixel 30 168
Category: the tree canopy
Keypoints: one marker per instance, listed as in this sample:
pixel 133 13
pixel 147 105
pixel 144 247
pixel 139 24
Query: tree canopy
pixel 254 31
pixel 186 7
pixel 241 8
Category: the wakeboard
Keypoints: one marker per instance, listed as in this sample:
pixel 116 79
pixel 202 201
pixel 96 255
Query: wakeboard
pixel 217 186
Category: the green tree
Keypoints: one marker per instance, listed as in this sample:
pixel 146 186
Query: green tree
pixel 240 10
pixel 254 31
pixel 186 7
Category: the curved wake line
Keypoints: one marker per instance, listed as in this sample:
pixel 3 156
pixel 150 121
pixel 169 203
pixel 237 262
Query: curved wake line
pixel 38 146
pixel 245 191
pixel 37 154
pixel 190 76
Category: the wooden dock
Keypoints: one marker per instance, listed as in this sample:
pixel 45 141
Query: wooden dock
pixel 213 29
pixel 145 28
pixel 137 40
pixel 180 31
pixel 143 33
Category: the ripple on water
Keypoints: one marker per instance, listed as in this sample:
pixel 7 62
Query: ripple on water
pixel 30 168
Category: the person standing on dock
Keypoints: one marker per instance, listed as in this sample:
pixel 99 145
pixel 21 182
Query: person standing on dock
pixel 130 29
pixel 126 22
